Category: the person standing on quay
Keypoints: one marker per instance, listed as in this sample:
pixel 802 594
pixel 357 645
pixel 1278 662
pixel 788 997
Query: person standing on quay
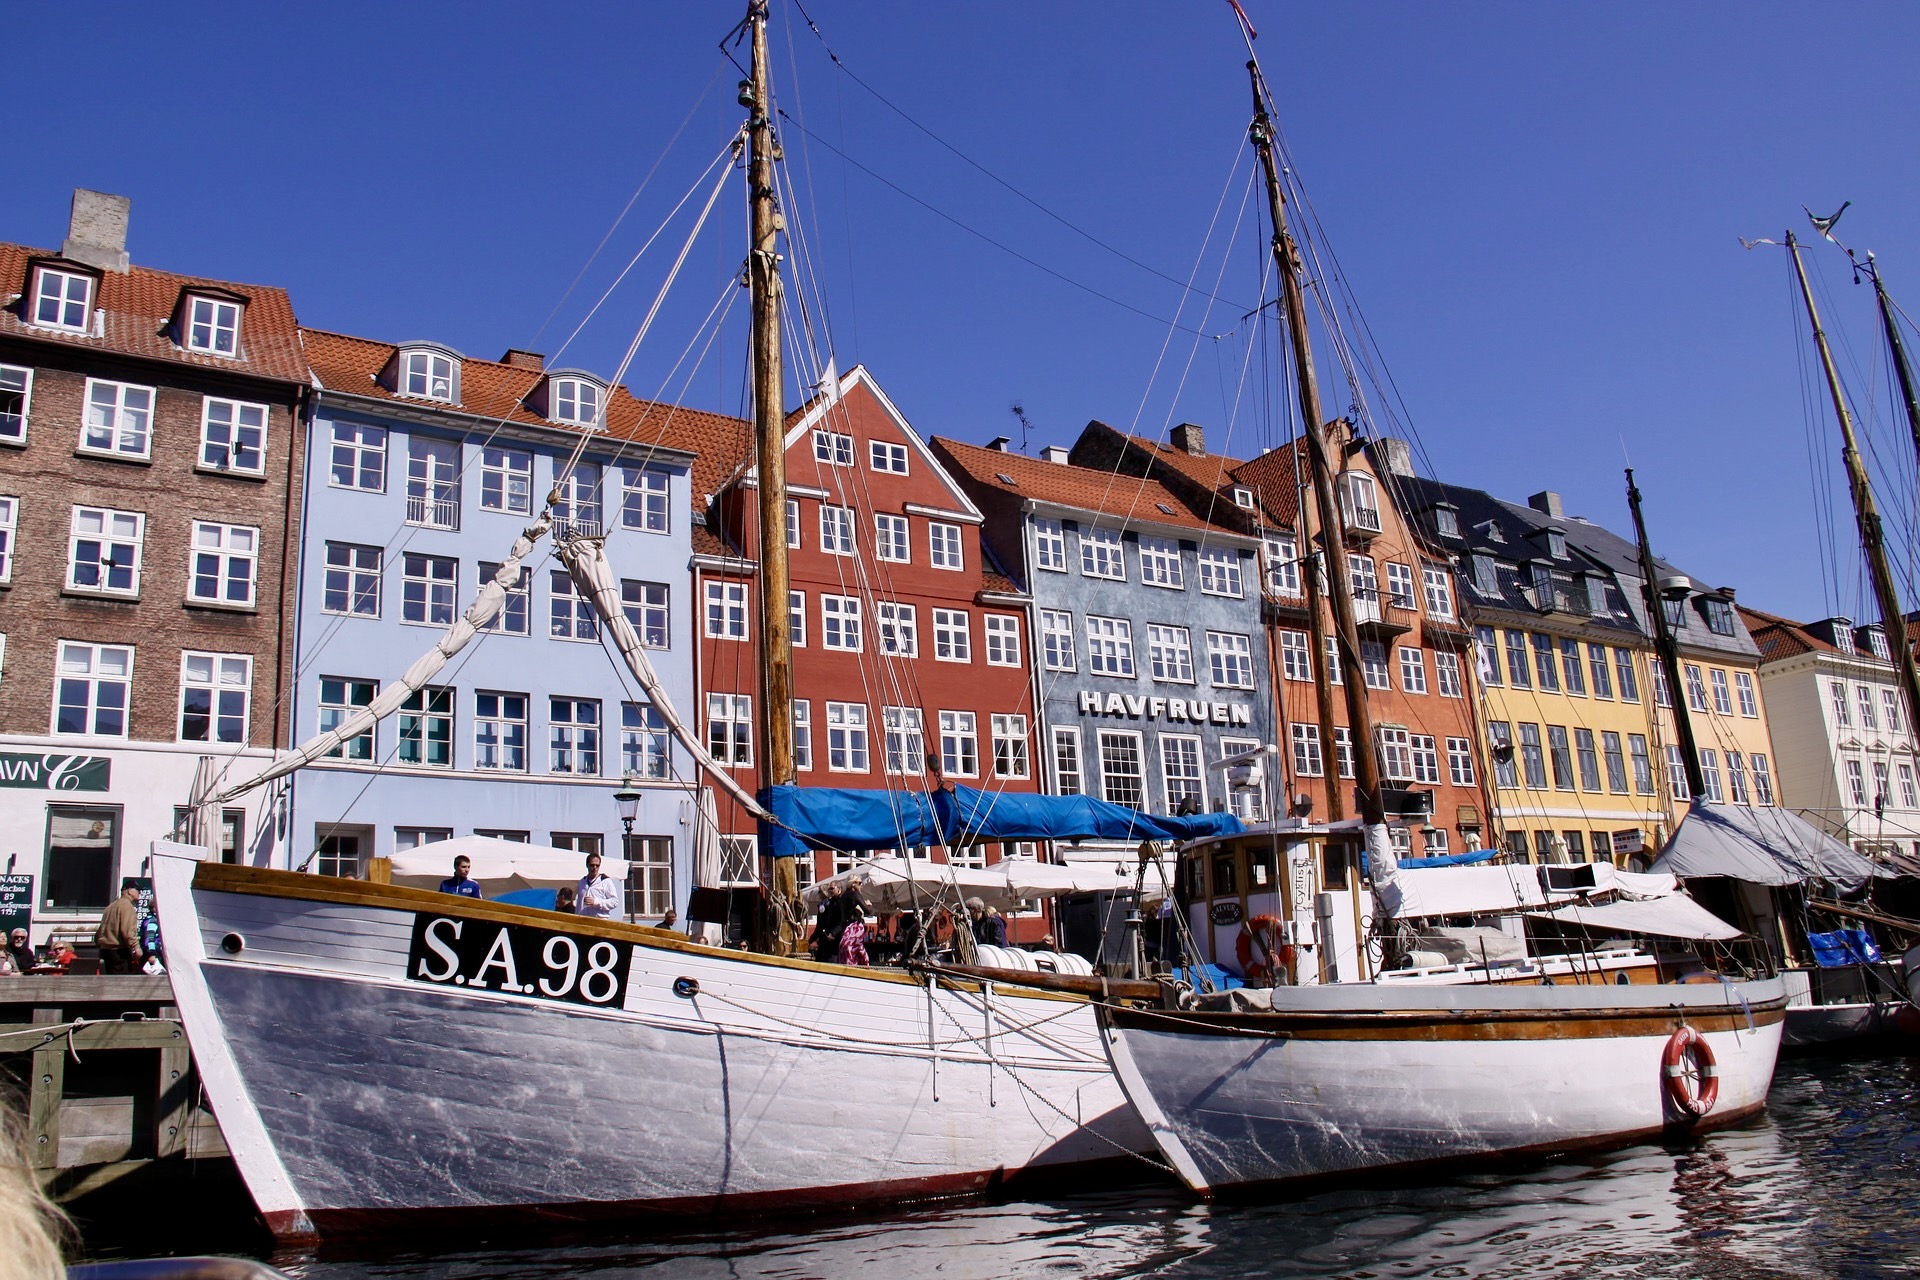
pixel 459 883
pixel 118 936
pixel 599 895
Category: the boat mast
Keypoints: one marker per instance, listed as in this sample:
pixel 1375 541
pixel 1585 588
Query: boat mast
pixel 1286 259
pixel 1866 515
pixel 1901 367
pixel 1666 647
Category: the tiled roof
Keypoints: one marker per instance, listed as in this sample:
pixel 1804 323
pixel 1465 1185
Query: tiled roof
pixel 1082 488
pixel 1780 637
pixel 998 583
pixel 136 310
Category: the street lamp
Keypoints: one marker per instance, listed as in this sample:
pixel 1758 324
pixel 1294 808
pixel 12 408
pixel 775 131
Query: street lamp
pixel 627 799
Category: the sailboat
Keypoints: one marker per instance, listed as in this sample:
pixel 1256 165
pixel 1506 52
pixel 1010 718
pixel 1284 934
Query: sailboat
pixel 1328 1072
pixel 384 1058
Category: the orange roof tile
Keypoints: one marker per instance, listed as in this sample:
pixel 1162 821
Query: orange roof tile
pixel 1083 488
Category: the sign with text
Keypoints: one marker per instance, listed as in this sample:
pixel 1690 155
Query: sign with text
pixel 518 959
pixel 48 771
pixel 16 904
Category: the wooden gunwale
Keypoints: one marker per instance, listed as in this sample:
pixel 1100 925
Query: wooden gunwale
pixel 1451 1024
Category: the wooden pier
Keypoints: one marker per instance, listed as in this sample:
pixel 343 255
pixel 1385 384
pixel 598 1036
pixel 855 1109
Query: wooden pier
pixel 101 1067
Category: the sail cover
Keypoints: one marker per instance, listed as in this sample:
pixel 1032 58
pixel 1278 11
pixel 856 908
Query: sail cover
pixel 1674 916
pixel 1761 846
pixel 851 820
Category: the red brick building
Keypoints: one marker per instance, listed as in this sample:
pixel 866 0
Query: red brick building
pixel 149 456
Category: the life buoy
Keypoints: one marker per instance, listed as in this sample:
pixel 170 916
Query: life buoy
pixel 1689 1058
pixel 1257 959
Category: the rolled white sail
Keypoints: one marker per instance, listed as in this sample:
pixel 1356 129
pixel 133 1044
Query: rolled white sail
pixel 1382 865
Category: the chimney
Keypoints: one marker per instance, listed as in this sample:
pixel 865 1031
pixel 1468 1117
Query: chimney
pixel 97 230
pixel 1728 592
pixel 999 444
pixel 1189 439
pixel 1547 502
pixel 1056 454
pixel 1393 456
pixel 523 359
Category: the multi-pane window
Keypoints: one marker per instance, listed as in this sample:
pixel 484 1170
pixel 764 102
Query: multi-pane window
pixel 899 628
pixel 1109 646
pixel 649 877
pixel 1307 760
pixel 9 526
pixel 359 458
pixel 1486 648
pixel 1662 696
pixel 646 501
pixel 341 697
pixel 885 456
pixel 1122 775
pixel 797 619
pixel 1737 777
pixel 1616 762
pixel 906 740
pixel 515 613
pixel 223 564
pixel 847 737
pixel 570 614
pixel 1413 669
pixel 727 610
pixel 1373 665
pixel 1531 758
pixel 1101 555
pixel 1889 701
pixel 1170 653
pixel 1545 665
pixel 1332 656
pixel 1909 798
pixel 1010 758
pixel 840 623
pixel 833 448
pixel 803 734
pixel 1446 674
pixel 1750 705
pixel 1868 720
pixel 104 550
pixel 433 483
pixel 1400 585
pixel 427 588
pixel 943 546
pixel 1067 779
pixel 1180 772
pixel 644 744
pixel 119 419
pixel 1364 583
pixel 430 375
pixel 62 299
pixel 1576 673
pixel 92 689
pixel 1460 771
pixel 1394 745
pixel 890 538
pixel 1439 584
pixel 1049 545
pixel 836 530
pixel 730 728
pixel 233 436
pixel 1562 756
pixel 1160 562
pixel 1856 783
pixel 1296 656
pixel 1500 736
pixel 1220 572
pixel 1642 763
pixel 1283 564
pixel 645 605
pixel 213 326
pixel 1677 775
pixel 1426 758
pixel 1003 639
pixel 1519 669
pixel 16 387
pixel 352 582
pixel 1588 756
pixel 1056 640
pixel 1343 751
pixel 576 400
pixel 506 480
pixel 1623 671
pixel 426 728
pixel 1842 716
pixel 1230 660
pixel 1722 697
pixel 1598 669
pixel 1710 773
pixel 1882 789
pixel 573 735
pixel 952 636
pixel 1696 688
pixel 579 501
pixel 500 731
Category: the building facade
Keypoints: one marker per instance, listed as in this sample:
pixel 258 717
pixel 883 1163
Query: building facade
pixel 423 468
pixel 149 463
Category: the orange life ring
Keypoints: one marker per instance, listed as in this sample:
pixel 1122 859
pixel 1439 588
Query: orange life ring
pixel 1680 1073
pixel 1258 967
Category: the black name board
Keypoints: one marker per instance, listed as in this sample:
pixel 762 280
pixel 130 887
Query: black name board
pixel 518 959
pixel 16 904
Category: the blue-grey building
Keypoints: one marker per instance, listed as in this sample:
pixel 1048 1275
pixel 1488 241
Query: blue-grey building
pixel 422 468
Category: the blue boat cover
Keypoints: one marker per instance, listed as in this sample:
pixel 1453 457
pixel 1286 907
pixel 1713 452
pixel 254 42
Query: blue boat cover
pixel 1843 947
pixel 853 820
pixel 1451 859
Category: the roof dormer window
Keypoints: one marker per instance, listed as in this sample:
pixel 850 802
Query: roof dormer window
pixel 1843 634
pixel 1877 642
pixel 1557 544
pixel 1243 497
pixel 431 375
pixel 1446 521
pixel 576 400
pixel 213 325
pixel 62 299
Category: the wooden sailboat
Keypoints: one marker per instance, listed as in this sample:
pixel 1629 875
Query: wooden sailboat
pixel 1259 1086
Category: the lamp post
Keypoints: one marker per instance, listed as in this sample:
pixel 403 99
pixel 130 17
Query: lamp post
pixel 627 800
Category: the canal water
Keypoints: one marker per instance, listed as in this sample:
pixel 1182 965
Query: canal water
pixel 1826 1184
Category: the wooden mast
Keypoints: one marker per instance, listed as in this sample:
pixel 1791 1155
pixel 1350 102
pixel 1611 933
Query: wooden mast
pixel 1320 449
pixel 1666 647
pixel 769 430
pixel 1901 367
pixel 1866 515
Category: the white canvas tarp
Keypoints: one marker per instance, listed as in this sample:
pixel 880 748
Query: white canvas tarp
pixel 1497 890
pixel 1759 845
pixel 900 884
pixel 500 866
pixel 1676 916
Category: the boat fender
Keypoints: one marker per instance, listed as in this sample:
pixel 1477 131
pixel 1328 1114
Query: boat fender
pixel 686 988
pixel 1683 1044
pixel 1257 958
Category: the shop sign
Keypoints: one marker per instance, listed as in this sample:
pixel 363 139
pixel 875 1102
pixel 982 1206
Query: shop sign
pixel 53 772
pixel 1180 710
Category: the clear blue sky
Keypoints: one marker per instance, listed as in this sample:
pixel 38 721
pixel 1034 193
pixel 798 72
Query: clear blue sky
pixel 1537 207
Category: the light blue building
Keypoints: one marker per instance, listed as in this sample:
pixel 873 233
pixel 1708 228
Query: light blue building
pixel 421 469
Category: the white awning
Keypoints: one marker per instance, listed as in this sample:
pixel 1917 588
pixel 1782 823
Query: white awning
pixel 1761 846
pixel 1675 916
pixel 500 866
pixel 1495 890
pixel 900 884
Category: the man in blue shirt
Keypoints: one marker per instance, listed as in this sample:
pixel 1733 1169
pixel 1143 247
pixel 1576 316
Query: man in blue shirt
pixel 459 883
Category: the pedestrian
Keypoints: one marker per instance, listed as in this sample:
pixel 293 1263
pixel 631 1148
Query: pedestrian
pixel 827 924
pixel 118 936
pixel 599 895
pixel 20 952
pixel 989 926
pixel 669 920
pixel 459 882
pixel 853 934
pixel 564 902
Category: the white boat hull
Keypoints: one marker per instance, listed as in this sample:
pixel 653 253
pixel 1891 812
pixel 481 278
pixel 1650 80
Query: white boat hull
pixel 358 1097
pixel 1339 1079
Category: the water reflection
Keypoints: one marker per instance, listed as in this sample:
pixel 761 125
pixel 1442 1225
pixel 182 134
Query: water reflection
pixel 1823 1185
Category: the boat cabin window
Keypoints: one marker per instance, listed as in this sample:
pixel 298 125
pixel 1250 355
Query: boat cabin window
pixel 1196 879
pixel 1261 875
pixel 1226 878
pixel 1336 858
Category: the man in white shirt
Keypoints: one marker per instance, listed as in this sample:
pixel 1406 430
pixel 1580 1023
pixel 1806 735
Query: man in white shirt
pixel 598 896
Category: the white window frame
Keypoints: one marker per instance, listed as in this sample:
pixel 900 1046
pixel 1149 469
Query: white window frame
pixel 1400 592
pixel 1050 545
pixel 1309 761
pixel 836 530
pixel 493 734
pixel 208 319
pixel 648 607
pixel 1413 669
pixel 906 741
pixel 730 729
pixel 1296 656
pixel 1889 706
pixel 429 589
pixel 797 619
pixel 1750 704
pixel 506 480
pixel 945 550
pixel 355 444
pixel 726 611
pixel 803 735
pixel 835 448
pixel 888 457
pixel 653 511
pixel 234 553
pixel 1109 646
pixel 94 675
pixel 570 613
pixel 793 524
pixel 1002 632
pixel 1426 759
pixel 422 367
pixel 1059 650
pixel 1394 746
pixel 1460 767
pixel 106 538
pixel 897 627
pixel 1182 761
pixel 352 573
pixel 433 483
pixel 1103 554
pixel 1160 563
pixel 848 738
pixel 575 401
pixel 1011 753
pixel 573 742
pixel 840 624
pixel 1722 695
pixel 1230 659
pixel 114 415
pixel 1067 782
pixel 646 743
pixel 1373 665
pixel 952 635
pixel 1122 738
pixel 1364 582
pixel 959 744
pixel 9 534
pixel 62 300
pixel 244 425
pixel 1170 653
pixel 425 708
pixel 15 380
pixel 1220 573
pixel 1447 674
pixel 1283 565
pixel 1438 583
pixel 892 538
pixel 334 711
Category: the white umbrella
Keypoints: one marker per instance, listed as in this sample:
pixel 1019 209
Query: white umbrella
pixel 500 866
